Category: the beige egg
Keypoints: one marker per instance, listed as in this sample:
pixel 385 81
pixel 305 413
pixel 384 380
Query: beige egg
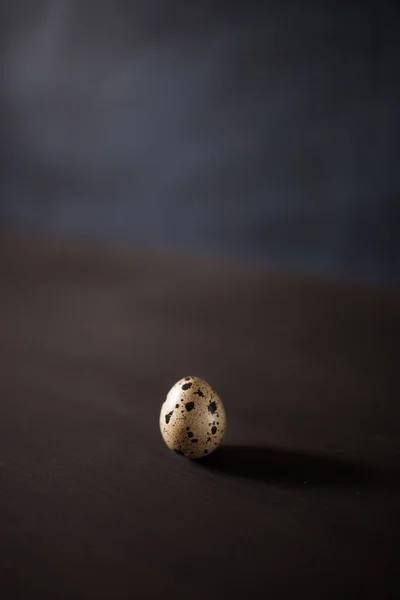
pixel 192 418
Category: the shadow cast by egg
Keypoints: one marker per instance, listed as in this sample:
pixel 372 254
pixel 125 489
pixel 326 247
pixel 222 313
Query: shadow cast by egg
pixel 291 468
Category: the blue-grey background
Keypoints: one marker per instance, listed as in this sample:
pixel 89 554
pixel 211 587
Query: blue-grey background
pixel 265 131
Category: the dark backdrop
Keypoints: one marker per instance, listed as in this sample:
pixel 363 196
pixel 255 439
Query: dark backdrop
pixel 258 130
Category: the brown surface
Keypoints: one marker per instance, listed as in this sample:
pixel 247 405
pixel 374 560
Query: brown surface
pixel 302 500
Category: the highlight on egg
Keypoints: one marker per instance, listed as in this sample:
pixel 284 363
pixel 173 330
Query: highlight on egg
pixel 192 418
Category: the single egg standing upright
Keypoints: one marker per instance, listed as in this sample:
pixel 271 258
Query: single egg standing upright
pixel 192 418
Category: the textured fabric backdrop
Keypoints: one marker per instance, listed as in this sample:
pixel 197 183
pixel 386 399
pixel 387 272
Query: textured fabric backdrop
pixel 265 131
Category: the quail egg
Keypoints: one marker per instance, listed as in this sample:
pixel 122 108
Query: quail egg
pixel 192 418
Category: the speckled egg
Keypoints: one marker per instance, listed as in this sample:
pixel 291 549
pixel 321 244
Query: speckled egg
pixel 192 418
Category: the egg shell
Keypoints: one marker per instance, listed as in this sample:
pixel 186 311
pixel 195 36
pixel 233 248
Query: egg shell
pixel 192 418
